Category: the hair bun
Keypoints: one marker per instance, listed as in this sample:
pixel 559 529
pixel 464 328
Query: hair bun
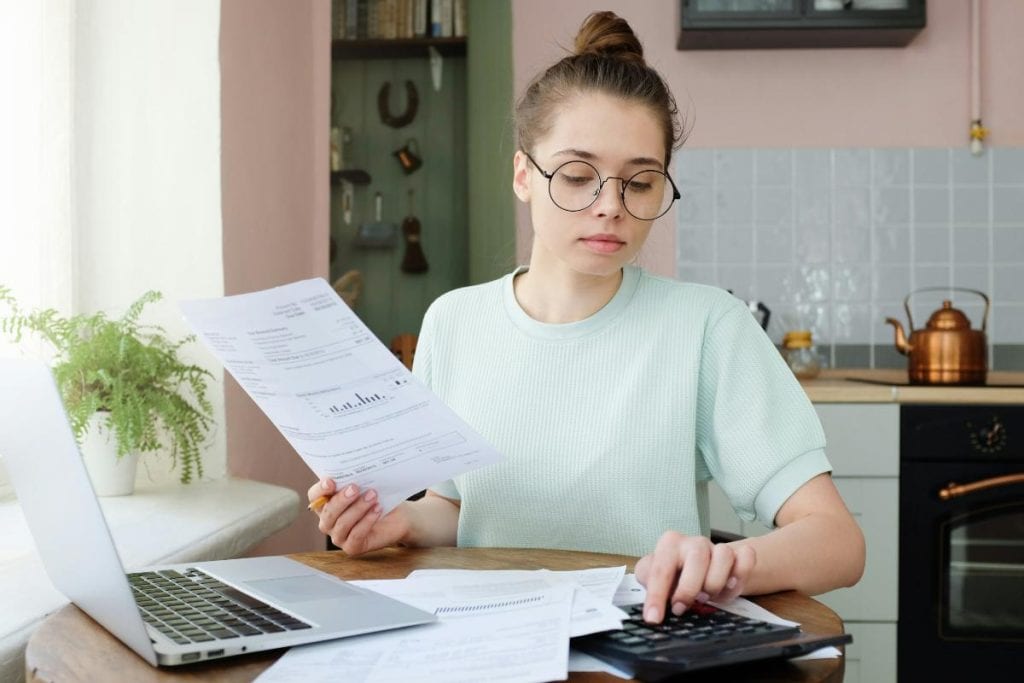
pixel 608 34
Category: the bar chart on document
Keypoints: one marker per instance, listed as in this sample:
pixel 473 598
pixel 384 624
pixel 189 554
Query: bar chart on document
pixel 343 401
pixel 365 388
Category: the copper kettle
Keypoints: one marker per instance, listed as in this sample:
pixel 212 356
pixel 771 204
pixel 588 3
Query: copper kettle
pixel 947 351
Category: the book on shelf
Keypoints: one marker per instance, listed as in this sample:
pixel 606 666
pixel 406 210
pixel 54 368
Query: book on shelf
pixel 397 19
pixel 372 19
pixel 406 19
pixel 351 19
pixel 361 12
pixel 401 15
pixel 459 18
pixel 441 18
pixel 419 18
pixel 338 10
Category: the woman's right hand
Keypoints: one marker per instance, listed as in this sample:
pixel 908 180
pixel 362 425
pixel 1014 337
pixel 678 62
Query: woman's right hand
pixel 352 518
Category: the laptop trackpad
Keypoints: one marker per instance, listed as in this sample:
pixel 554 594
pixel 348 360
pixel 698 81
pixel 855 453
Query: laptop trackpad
pixel 302 588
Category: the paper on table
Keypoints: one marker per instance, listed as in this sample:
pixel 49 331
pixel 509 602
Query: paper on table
pixel 751 610
pixel 592 610
pixel 629 591
pixel 343 401
pixel 746 608
pixel 517 638
pixel 601 581
pixel 581 661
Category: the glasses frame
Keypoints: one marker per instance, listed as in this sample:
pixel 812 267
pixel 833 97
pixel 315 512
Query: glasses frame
pixel 622 186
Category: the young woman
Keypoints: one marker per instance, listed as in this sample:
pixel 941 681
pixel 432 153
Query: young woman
pixel 614 394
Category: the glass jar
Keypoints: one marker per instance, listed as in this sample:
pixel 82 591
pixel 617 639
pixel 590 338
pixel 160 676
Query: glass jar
pixel 800 354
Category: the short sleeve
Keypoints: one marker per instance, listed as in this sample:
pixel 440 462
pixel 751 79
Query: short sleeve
pixel 757 432
pixel 421 360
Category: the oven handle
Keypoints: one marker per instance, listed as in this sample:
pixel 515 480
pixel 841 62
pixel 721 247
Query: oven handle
pixel 955 490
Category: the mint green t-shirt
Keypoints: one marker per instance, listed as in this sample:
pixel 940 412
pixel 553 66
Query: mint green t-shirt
pixel 613 425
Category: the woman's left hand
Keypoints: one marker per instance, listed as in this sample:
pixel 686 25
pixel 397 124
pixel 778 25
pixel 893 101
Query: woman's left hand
pixel 683 570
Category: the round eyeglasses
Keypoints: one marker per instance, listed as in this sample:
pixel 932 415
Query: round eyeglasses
pixel 575 185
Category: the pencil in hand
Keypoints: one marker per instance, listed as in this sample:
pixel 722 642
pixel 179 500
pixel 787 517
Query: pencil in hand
pixel 330 487
pixel 318 504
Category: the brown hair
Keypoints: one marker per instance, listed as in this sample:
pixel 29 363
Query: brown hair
pixel 607 58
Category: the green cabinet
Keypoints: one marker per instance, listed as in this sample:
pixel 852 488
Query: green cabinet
pixel 462 192
pixel 393 301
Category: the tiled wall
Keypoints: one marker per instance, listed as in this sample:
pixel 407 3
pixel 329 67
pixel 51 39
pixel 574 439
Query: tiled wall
pixel 834 239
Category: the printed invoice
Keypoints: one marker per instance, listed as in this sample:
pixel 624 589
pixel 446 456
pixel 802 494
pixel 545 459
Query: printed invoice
pixel 343 401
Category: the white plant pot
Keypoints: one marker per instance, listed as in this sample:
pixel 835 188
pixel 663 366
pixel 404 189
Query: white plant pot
pixel 110 475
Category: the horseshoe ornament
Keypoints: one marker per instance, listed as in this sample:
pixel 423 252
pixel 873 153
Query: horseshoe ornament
pixel 412 101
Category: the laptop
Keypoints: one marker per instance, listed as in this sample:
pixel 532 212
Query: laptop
pixel 701 638
pixel 174 614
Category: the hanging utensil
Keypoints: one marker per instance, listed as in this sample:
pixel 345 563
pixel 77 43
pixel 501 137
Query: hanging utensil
pixel 412 101
pixel 378 234
pixel 414 261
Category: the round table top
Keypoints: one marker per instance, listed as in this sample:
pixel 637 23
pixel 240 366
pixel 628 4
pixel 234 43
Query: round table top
pixel 70 646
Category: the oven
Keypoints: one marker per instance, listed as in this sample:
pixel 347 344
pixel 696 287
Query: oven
pixel 961 550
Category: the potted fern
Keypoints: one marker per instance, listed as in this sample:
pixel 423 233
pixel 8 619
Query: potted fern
pixel 122 383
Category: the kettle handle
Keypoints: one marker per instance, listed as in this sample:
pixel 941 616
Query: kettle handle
pixel 906 302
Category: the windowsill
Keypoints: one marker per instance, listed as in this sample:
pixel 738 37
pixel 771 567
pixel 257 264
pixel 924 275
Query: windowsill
pixel 210 520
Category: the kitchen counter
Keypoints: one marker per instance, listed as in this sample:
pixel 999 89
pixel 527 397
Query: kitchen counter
pixel 836 385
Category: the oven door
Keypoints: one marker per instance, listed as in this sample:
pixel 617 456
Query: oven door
pixel 961 604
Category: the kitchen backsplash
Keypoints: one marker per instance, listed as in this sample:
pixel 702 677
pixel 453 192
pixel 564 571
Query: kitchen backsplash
pixel 832 240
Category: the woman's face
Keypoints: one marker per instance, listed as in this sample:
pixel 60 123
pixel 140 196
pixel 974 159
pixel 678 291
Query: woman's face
pixel 617 137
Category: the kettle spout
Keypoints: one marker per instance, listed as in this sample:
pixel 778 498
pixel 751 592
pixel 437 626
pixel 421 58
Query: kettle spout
pixel 902 345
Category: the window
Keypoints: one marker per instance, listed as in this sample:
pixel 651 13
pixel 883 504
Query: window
pixel 110 154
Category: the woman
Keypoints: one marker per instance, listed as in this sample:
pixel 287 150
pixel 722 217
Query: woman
pixel 615 395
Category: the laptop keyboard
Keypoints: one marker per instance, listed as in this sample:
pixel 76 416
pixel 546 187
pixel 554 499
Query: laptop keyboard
pixel 701 627
pixel 194 607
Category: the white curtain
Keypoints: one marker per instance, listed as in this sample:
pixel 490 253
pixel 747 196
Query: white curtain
pixel 36 237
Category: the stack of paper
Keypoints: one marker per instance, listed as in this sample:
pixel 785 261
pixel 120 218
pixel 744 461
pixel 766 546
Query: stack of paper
pixel 501 626
pixel 505 626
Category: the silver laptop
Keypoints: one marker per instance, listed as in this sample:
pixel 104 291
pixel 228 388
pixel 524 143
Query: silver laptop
pixel 174 614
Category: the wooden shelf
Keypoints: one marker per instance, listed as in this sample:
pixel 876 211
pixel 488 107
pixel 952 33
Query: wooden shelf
pixel 397 48
pixel 355 176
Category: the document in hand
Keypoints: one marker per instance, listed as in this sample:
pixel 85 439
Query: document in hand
pixel 343 401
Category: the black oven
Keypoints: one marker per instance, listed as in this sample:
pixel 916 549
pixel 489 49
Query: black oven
pixel 961 568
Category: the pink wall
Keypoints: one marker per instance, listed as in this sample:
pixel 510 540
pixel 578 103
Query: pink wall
pixel 275 102
pixel 917 96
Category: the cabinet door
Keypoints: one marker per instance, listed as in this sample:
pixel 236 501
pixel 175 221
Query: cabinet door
pixel 723 517
pixel 874 503
pixel 871 657
pixel 716 24
pixel 862 439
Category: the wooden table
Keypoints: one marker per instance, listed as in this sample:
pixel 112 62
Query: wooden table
pixel 69 646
